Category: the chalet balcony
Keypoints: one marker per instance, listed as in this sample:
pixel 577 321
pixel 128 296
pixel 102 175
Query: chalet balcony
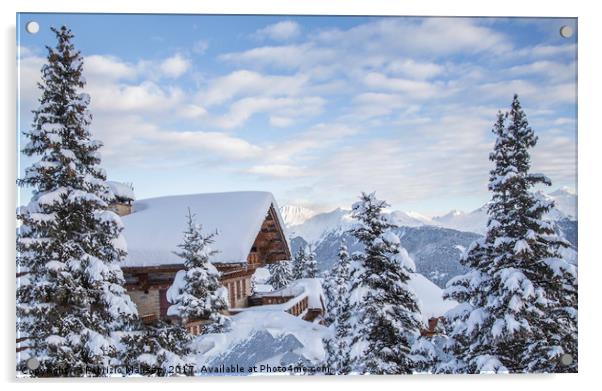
pixel 303 298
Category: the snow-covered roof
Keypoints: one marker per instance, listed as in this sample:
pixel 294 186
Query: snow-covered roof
pixel 122 190
pixel 155 227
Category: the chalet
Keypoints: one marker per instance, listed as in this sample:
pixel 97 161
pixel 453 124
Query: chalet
pixel 249 235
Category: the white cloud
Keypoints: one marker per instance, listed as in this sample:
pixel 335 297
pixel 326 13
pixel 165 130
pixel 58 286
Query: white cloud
pixel 373 104
pixel 552 70
pixel 243 82
pixel 240 111
pixel 280 31
pixel 547 51
pixel 556 156
pixel 372 107
pixel 415 69
pixel 147 97
pixel 289 56
pixel 277 170
pixel 174 66
pixel 108 68
pixel 280 121
pixel 537 94
pixel 283 158
pixel 129 138
pixel 414 89
pixel 29 74
pixel 192 111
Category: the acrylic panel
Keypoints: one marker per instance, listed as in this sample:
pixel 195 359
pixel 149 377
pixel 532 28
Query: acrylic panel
pixel 242 195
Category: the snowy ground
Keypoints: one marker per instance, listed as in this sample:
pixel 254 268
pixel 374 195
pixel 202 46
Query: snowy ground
pixel 267 338
pixel 261 339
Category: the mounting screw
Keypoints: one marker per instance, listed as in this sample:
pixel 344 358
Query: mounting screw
pixel 566 359
pixel 566 31
pixel 32 27
pixel 33 363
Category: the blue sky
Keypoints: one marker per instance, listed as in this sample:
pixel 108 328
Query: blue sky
pixel 315 109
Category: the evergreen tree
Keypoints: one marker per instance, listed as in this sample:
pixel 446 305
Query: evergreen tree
pixel 388 315
pixel 254 284
pixel 518 303
pixel 335 284
pixel 201 297
pixel 299 264
pixel 281 274
pixel 339 315
pixel 428 352
pixel 330 294
pixel 425 355
pixel 311 265
pixel 159 349
pixel 305 264
pixel 69 243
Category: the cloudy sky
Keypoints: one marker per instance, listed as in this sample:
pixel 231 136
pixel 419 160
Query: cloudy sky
pixel 315 109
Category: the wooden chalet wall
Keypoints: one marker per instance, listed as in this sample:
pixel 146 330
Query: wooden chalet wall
pixel 270 245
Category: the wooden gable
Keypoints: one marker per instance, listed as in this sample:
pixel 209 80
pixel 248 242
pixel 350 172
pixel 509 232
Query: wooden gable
pixel 270 244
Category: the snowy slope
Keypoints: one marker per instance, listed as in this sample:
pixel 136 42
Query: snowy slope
pixel 430 297
pixel 262 337
pixel 155 228
pixel 277 338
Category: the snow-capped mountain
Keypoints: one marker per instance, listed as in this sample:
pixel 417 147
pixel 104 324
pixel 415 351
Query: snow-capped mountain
pixel 409 219
pixel 316 226
pixel 474 221
pixel 435 250
pixel 435 244
pixel 295 215
pixel 313 228
pixel 565 201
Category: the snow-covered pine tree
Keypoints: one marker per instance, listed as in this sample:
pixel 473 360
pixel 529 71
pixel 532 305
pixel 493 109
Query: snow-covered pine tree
pixel 330 294
pixel 159 349
pixel 305 264
pixel 69 243
pixel 330 355
pixel 281 274
pixel 299 263
pixel 518 304
pixel 201 296
pixel 388 315
pixel 338 355
pixel 335 282
pixel 311 264
pixel 425 355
